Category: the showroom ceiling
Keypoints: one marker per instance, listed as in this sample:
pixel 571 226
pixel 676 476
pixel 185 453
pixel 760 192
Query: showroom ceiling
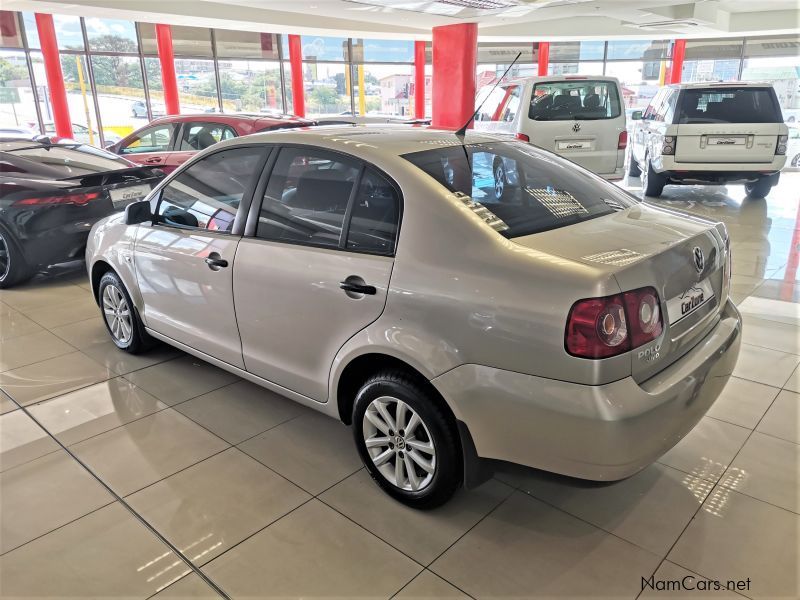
pixel 498 19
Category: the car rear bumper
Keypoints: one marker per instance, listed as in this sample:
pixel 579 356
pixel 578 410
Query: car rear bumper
pixel 604 432
pixel 723 171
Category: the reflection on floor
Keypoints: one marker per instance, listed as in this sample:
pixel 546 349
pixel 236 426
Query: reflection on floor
pixel 267 498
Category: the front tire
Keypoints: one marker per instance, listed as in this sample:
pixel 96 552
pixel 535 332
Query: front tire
pixel 652 183
pixel 407 441
pixel 13 268
pixel 120 316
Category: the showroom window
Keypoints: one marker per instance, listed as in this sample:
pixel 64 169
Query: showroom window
pixel 18 101
pixel 387 69
pixel 776 60
pixel 208 193
pixel 306 198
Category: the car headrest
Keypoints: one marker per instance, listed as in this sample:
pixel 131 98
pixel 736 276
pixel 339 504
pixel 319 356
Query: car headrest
pixel 204 139
pixel 591 101
pixel 561 100
pixel 325 190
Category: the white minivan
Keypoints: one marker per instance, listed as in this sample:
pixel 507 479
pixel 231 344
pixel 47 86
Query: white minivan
pixel 582 118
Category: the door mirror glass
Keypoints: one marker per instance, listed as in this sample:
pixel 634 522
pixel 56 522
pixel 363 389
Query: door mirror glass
pixel 138 212
pixel 636 115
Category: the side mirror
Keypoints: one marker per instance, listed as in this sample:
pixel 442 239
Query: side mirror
pixel 636 115
pixel 138 212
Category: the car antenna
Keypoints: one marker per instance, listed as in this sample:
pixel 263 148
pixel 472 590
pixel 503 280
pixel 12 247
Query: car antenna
pixel 463 130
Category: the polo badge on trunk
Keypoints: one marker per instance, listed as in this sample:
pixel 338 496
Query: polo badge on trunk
pixel 699 259
pixel 576 128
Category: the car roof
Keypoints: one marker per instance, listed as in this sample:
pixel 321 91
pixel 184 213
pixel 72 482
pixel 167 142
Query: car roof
pixel 229 118
pixel 720 84
pixel 367 140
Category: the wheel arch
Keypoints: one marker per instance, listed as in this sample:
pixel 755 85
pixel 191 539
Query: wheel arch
pixel 99 268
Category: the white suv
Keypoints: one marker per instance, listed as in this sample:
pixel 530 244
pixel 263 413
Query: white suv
pixel 710 133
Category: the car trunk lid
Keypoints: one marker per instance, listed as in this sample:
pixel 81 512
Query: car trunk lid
pixel 727 142
pixel 643 246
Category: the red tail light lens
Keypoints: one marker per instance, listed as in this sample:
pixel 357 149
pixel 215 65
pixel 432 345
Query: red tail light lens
pixel 623 141
pixel 644 313
pixel 76 199
pixel 604 327
pixel 523 137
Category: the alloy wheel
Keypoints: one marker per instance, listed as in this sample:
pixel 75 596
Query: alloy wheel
pixel 5 258
pixel 117 314
pixel 499 181
pixel 399 444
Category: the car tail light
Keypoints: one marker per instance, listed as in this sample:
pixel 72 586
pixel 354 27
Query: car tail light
pixel 783 140
pixel 623 141
pixel 75 199
pixel 669 145
pixel 523 137
pixel 612 325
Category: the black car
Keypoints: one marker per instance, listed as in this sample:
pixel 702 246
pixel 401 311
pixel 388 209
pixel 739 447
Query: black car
pixel 51 195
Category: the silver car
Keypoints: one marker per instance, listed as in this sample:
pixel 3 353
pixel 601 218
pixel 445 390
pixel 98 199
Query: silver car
pixel 375 275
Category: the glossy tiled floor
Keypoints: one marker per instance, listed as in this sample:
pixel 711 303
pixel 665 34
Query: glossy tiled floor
pixel 265 498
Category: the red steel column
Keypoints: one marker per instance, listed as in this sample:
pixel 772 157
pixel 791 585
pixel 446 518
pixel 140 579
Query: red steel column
pixel 676 70
pixel 419 80
pixel 55 78
pixel 296 62
pixel 168 78
pixel 544 58
pixel 455 58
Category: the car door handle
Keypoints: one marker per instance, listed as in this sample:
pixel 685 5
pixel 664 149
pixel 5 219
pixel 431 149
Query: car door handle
pixel 215 262
pixel 153 161
pixel 358 288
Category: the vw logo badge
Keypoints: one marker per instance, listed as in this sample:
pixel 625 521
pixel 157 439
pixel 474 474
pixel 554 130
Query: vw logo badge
pixel 576 128
pixel 699 259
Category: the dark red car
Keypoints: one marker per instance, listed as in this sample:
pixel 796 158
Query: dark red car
pixel 168 142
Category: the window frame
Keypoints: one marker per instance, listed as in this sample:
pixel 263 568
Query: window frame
pixel 261 189
pixel 245 205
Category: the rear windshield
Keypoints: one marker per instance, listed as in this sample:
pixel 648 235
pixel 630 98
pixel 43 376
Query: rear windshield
pixel 519 190
pixel 729 105
pixel 580 99
pixel 60 161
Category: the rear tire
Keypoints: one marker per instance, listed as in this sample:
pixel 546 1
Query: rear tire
pixel 424 444
pixel 13 267
pixel 652 183
pixel 758 189
pixel 120 316
pixel 633 167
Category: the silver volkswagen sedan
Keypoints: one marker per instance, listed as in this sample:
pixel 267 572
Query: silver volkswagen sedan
pixel 384 277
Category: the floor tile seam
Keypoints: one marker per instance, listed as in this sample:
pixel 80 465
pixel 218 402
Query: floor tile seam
pixel 147 525
pixel 427 570
pixel 94 510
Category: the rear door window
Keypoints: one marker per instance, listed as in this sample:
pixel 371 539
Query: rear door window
pixel 729 105
pixel 539 190
pixel 375 216
pixel 579 99
pixel 306 197
pixel 199 136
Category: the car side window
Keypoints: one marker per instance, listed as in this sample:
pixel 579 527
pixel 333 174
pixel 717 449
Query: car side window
pixel 199 136
pixel 375 215
pixel 667 112
pixel 306 197
pixel 151 139
pixel 652 108
pixel 207 194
